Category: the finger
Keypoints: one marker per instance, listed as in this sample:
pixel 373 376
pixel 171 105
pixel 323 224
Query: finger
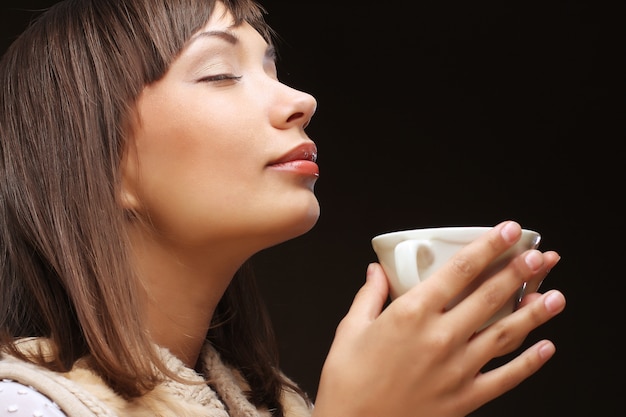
pixel 500 289
pixel 496 382
pixel 464 266
pixel 551 258
pixel 508 333
pixel 527 299
pixel 371 297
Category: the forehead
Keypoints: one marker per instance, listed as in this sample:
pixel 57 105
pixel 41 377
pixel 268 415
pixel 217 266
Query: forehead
pixel 222 24
pixel 221 19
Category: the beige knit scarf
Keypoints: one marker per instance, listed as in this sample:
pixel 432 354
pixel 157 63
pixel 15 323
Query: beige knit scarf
pixel 82 393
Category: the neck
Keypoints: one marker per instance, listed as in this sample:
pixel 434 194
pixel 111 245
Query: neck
pixel 181 290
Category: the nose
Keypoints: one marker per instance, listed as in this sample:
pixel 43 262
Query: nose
pixel 293 108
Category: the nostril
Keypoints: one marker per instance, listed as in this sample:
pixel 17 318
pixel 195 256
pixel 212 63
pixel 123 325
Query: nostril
pixel 295 116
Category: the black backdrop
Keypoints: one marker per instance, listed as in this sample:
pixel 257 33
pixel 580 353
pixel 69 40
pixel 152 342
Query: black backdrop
pixel 457 113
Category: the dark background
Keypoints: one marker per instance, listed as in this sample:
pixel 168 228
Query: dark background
pixel 437 113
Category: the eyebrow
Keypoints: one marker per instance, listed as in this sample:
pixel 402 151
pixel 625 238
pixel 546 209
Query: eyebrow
pixel 232 39
pixel 227 36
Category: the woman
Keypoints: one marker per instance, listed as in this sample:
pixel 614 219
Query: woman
pixel 148 151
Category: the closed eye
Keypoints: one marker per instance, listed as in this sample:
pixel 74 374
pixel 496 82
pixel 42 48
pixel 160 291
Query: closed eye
pixel 220 77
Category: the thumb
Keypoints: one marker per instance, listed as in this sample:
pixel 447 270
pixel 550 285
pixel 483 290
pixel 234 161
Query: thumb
pixel 371 297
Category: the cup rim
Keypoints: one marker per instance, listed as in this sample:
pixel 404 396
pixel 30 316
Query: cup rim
pixel 472 231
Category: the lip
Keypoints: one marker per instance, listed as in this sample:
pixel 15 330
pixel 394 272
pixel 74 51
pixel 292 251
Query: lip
pixel 301 159
pixel 304 152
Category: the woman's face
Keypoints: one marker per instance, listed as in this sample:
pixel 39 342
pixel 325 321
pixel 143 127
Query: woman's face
pixel 219 155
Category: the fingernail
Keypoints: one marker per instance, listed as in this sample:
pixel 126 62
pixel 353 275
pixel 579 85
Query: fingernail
pixel 510 231
pixel 546 350
pixel 554 301
pixel 534 260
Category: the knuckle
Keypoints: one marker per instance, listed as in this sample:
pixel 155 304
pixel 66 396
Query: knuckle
pixel 509 381
pixel 495 242
pixel 491 295
pixel 504 338
pixel 442 342
pixel 457 376
pixel 463 265
pixel 406 310
pixel 537 316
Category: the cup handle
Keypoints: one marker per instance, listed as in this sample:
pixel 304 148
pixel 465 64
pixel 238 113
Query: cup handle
pixel 411 256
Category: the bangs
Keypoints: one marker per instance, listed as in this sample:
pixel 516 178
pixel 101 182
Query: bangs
pixel 167 25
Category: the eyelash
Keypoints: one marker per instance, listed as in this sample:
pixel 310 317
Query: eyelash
pixel 220 77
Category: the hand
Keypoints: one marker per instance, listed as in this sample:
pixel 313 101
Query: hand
pixel 417 359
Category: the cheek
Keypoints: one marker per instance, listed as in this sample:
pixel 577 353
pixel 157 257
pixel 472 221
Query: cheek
pixel 200 167
pixel 195 126
pixel 190 183
pixel 181 136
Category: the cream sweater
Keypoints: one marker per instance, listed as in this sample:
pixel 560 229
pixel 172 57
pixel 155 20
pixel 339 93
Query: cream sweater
pixel 81 393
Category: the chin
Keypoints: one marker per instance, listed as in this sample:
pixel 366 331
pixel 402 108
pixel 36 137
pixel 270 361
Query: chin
pixel 297 225
pixel 306 221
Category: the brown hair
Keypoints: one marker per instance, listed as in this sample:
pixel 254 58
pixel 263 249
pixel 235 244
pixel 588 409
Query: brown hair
pixel 68 86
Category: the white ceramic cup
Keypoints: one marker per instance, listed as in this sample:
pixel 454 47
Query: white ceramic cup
pixel 411 256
